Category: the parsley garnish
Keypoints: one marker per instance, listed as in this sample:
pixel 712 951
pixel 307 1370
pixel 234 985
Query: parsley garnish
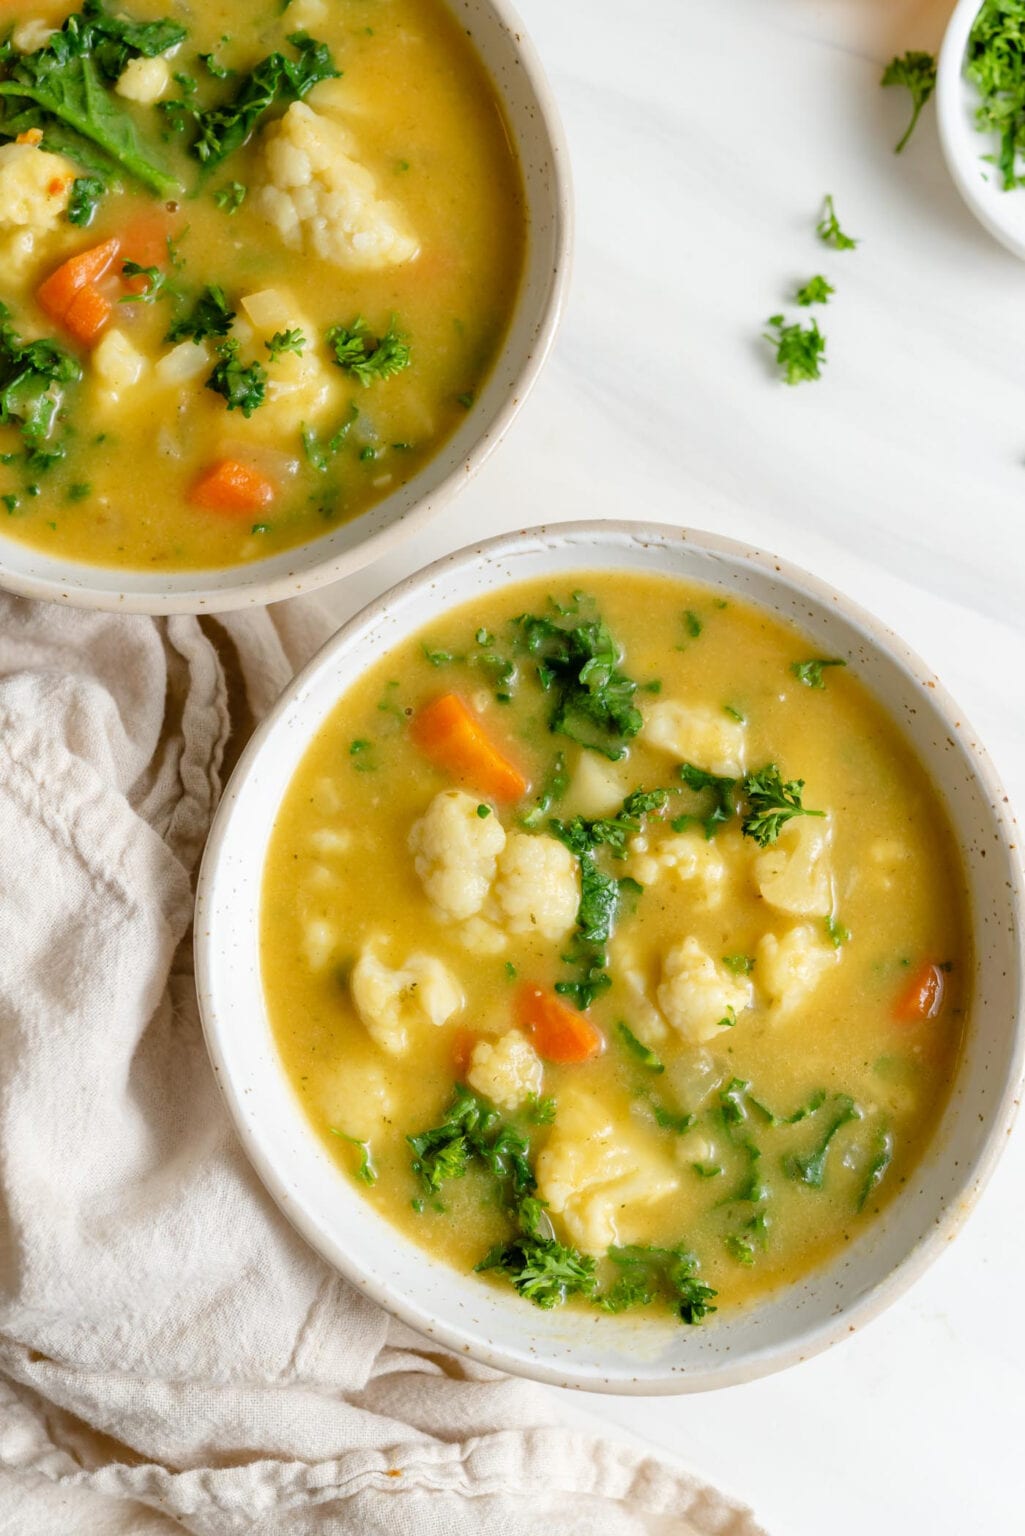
pixel 210 316
pixel 33 378
pixel 799 348
pixel 721 789
pixel 811 1168
pixel 918 72
pixel 541 1269
pixel 829 231
pixel 639 1049
pixel 366 1172
pixel 815 291
pixel 243 385
pixel 649 1274
pixel 995 63
pixel 231 197
pixel 578 667
pixel 366 357
pixel 286 341
pixel 836 932
pixel 810 672
pixel 86 192
pixel 771 804
pixel 154 278
pixel 740 965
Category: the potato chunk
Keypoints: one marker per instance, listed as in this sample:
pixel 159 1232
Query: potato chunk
pixel 593 1172
pixel 790 968
pixel 506 1071
pixel 118 364
pixel 392 1003
pixel 321 199
pixel 696 734
pixel 795 874
pixel 35 187
pixel 699 997
pixel 454 853
pixel 538 886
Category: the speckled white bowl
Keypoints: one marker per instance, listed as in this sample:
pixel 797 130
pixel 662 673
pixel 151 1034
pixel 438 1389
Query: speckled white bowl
pixel 514 67
pixel 588 1349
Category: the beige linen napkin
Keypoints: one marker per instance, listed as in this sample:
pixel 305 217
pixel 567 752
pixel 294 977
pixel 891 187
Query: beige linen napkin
pixel 172 1356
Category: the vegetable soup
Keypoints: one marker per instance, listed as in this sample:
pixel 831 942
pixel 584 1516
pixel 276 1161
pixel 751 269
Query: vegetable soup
pixel 256 262
pixel 616 945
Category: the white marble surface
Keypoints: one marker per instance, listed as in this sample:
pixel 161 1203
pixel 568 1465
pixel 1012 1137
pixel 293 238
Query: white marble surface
pixel 703 134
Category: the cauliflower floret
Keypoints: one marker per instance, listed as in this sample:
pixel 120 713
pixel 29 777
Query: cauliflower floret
pixel 454 853
pixel 144 80
pixel 538 886
pixel 696 734
pixel 319 942
pixel 794 875
pixel 506 1072
pixel 481 937
pixel 393 1002
pixel 689 857
pixel 593 1173
pixel 699 997
pixel 321 199
pixel 118 364
pixel 789 969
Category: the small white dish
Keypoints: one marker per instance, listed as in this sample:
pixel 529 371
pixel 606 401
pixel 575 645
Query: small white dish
pixel 957 100
pixel 493 1324
pixel 507 53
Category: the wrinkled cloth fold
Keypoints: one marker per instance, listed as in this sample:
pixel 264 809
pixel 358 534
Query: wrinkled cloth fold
pixel 172 1356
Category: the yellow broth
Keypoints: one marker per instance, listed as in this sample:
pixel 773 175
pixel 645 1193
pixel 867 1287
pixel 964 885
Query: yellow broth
pixel 340 881
pixel 423 119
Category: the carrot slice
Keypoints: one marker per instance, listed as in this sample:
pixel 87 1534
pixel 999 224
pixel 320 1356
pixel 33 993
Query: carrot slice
pixel 922 998
pixel 450 734
pixel 233 487
pixel 145 240
pixel 57 294
pixel 87 314
pixel 560 1034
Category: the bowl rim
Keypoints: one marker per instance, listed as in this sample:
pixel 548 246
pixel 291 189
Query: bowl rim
pixel 106 594
pixel 961 1196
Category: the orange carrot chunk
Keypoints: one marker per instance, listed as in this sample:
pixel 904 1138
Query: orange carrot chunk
pixel 449 733
pixel 59 291
pixel 233 487
pixel 145 240
pixel 560 1034
pixel 922 998
pixel 87 314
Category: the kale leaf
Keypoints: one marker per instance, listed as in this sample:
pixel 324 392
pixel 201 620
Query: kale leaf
pixel 648 1274
pixel 86 192
pixel 810 1169
pixel 698 780
pixel 33 378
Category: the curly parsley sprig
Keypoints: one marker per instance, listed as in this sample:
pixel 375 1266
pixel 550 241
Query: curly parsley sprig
pixel 799 349
pixel 916 71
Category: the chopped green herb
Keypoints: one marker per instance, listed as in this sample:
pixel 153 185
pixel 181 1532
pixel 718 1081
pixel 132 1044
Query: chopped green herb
pixel 231 197
pixel 995 64
pixel 707 1170
pixel 639 1049
pixel 810 672
pixel 721 790
pixel 10 501
pixel 217 70
pixel 243 385
pixel 771 804
pixel 811 1168
pixel 916 71
pixel 80 491
pixel 692 623
pixel 220 131
pixel 728 1019
pixel 649 1274
pixel 209 316
pixel 86 193
pixel 882 1157
pixel 734 714
pixel 154 279
pixel 365 357
pixel 815 291
pixel 578 667
pixel 286 341
pixel 483 811
pixel 740 965
pixel 554 786
pixel 829 231
pixel 465 400
pixel 836 932
pixel 810 1107
pixel 799 349
pixel 366 1172
pixel 260 528
pixel 753 1234
pixel 367 453
pixel 542 1269
pixel 540 1111
pixel 511 971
